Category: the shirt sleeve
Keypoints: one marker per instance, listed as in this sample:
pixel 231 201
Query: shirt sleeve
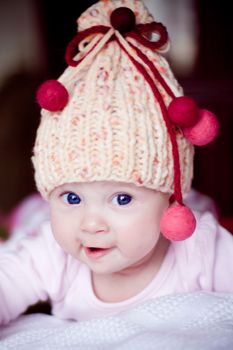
pixel 205 260
pixel 215 254
pixel 29 272
pixel 223 264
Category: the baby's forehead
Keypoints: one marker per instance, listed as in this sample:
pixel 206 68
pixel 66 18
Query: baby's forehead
pixel 102 186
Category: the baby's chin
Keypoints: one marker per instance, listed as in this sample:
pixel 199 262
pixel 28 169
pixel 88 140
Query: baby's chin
pixel 109 268
pixel 125 268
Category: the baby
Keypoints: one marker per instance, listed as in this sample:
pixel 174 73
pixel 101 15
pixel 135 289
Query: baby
pixel 113 157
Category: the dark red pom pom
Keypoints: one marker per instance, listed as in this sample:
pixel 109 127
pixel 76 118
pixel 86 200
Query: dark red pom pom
pixel 123 19
pixel 183 111
pixel 52 95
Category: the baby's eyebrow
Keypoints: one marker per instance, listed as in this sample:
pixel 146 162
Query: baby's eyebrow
pixel 120 188
pixel 64 189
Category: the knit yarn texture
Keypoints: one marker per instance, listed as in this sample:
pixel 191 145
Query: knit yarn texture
pixel 112 128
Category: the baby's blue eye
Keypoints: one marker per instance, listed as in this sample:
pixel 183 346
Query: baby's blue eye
pixel 71 198
pixel 122 199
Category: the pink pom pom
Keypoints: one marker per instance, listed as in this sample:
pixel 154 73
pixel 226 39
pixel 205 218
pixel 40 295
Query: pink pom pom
pixel 52 95
pixel 177 223
pixel 183 111
pixel 204 131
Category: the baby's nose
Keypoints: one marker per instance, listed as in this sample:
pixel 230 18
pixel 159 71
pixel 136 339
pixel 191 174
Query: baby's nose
pixel 94 222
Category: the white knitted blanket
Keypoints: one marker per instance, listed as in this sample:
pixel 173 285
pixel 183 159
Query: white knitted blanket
pixel 199 321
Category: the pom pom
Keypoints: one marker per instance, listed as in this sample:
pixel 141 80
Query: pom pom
pixel 183 111
pixel 204 131
pixel 52 95
pixel 123 19
pixel 177 223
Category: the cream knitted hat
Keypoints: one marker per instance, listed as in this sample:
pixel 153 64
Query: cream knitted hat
pixel 106 117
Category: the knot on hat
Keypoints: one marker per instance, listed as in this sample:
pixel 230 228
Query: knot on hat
pixel 123 19
pixel 100 13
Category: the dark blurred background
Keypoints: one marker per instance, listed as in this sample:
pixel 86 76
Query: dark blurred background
pixel 33 38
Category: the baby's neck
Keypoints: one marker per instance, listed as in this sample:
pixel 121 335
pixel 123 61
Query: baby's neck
pixel 125 284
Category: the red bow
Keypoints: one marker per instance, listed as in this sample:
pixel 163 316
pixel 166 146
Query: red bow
pixel 140 33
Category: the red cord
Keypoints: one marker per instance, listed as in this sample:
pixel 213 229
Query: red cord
pixel 175 152
pixel 154 27
pixel 73 44
pixel 154 70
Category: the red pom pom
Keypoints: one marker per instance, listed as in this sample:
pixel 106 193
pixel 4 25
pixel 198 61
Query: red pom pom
pixel 123 19
pixel 52 95
pixel 177 223
pixel 204 131
pixel 183 111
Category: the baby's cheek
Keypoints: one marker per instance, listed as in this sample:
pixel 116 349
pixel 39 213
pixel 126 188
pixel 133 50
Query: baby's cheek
pixel 58 237
pixel 59 231
pixel 137 246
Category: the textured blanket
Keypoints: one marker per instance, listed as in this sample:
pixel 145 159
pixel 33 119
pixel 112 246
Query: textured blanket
pixel 185 321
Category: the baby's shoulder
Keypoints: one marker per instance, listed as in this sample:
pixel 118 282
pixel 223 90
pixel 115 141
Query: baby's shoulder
pixel 209 234
pixel 200 248
pixel 206 233
pixel 203 256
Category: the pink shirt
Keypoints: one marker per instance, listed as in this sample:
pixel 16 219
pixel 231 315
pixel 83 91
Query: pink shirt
pixel 38 269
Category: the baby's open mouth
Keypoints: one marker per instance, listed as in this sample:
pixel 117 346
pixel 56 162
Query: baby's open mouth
pixel 94 249
pixel 95 252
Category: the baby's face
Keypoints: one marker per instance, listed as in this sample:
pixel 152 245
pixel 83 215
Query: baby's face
pixel 110 226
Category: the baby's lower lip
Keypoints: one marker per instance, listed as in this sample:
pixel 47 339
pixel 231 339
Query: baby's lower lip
pixel 96 253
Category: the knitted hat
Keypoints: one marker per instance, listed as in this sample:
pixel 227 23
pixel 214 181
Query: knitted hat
pixel 117 112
